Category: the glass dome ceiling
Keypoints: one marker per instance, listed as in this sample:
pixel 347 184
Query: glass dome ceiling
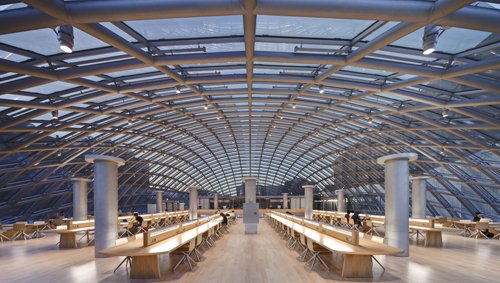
pixel 208 92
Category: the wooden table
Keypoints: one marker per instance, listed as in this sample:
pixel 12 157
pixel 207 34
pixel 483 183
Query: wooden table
pixel 145 262
pixel 67 239
pixel 356 260
pixel 433 237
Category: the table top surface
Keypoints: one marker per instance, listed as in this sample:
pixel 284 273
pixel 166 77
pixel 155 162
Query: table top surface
pixel 66 231
pixel 365 247
pixel 136 248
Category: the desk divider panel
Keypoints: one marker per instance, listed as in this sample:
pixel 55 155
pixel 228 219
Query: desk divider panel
pixel 80 224
pixel 429 223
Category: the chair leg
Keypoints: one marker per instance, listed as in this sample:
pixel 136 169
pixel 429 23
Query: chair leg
pixel 126 260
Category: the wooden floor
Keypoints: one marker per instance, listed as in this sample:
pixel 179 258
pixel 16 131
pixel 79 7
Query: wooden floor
pixel 251 258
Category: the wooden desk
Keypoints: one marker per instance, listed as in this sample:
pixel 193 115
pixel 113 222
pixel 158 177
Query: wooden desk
pixel 466 232
pixel 145 260
pixel 433 237
pixel 67 238
pixel 356 260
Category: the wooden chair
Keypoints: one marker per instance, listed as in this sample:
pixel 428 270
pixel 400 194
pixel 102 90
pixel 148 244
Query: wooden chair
pixel 185 251
pixel 127 232
pixel 371 227
pixel 305 250
pixel 478 230
pixel 196 251
pixel 316 250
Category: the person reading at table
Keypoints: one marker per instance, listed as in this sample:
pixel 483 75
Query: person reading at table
pixel 137 222
pixel 356 219
pixel 224 218
pixel 477 217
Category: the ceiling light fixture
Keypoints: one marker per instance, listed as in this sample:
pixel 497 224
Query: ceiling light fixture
pixel 177 89
pixel 445 113
pixel 370 120
pixel 205 107
pixel 430 38
pixel 65 37
pixel 321 89
pixel 55 115
pixel 129 122
pixel 294 106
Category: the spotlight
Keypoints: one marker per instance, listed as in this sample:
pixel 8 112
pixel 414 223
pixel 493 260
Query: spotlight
pixel 59 153
pixel 205 107
pixel 430 38
pixel 177 89
pixel 445 113
pixel 218 117
pixel 281 117
pixel 129 122
pixel 55 115
pixel 65 37
pixel 294 106
pixel 321 89
pixel 370 120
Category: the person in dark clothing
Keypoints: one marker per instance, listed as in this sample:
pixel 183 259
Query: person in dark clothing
pixel 224 218
pixel 356 219
pixel 477 217
pixel 347 215
pixel 289 213
pixel 138 219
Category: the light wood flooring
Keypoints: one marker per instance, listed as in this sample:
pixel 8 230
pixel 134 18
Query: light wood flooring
pixel 257 258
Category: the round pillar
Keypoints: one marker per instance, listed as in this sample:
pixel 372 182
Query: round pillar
pixel 419 201
pixel 397 210
pixel 193 202
pixel 285 200
pixel 159 201
pixel 340 200
pixel 105 200
pixel 80 198
pixel 216 201
pixel 308 199
pixel 250 189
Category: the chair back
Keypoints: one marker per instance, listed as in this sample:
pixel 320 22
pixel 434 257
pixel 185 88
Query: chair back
pixel 369 223
pixel 303 239
pixel 482 225
pixel 199 238
pixel 192 244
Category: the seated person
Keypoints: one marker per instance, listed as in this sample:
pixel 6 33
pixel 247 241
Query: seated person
pixel 136 223
pixel 356 219
pixel 288 212
pixel 477 217
pixel 224 218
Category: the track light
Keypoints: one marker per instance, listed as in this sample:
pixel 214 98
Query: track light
pixel 65 37
pixel 430 38
pixel 129 122
pixel 177 89
pixel 321 89
pixel 370 120
pixel 294 106
pixel 445 113
pixel 55 115
pixel 205 107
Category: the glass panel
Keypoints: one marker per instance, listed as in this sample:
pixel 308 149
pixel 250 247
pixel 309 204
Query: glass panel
pixel 310 27
pixel 189 27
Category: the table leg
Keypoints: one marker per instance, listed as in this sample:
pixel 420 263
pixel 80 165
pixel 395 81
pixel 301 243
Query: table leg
pixel 68 241
pixel 145 267
pixel 433 239
pixel 357 266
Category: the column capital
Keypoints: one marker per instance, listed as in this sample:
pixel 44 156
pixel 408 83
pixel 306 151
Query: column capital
pixel 80 179
pixel 308 186
pixel 409 156
pixel 256 179
pixel 341 190
pixel 194 187
pixel 91 158
pixel 285 194
pixel 422 177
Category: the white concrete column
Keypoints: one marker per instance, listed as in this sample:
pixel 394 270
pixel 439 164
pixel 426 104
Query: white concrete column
pixel 340 200
pixel 250 189
pixel 309 199
pixel 193 202
pixel 159 201
pixel 216 201
pixel 251 207
pixel 418 199
pixel 80 198
pixel 285 200
pixel 397 210
pixel 105 200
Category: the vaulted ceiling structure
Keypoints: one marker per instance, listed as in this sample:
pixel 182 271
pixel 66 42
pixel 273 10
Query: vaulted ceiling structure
pixel 208 92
